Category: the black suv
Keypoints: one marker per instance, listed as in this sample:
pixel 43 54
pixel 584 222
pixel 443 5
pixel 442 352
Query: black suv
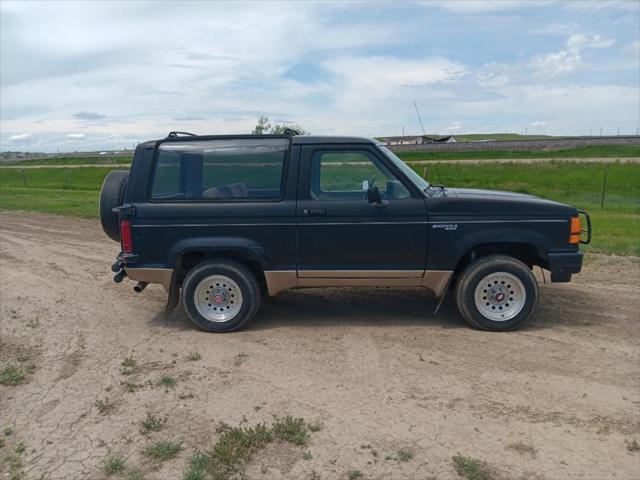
pixel 222 220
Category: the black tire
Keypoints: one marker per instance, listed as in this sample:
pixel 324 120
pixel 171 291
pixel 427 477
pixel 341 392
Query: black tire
pixel 111 196
pixel 241 275
pixel 475 272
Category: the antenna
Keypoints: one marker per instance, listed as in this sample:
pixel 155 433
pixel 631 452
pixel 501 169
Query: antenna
pixel 419 117
pixel 435 165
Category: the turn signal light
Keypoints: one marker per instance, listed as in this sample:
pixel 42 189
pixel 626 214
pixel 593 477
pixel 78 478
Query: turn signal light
pixel 574 236
pixel 126 239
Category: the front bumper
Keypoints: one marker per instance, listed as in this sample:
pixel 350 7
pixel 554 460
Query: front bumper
pixel 564 264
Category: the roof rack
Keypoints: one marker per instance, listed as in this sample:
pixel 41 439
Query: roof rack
pixel 183 134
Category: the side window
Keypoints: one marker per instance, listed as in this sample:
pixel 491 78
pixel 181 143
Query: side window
pixel 344 175
pixel 220 170
pixel 167 177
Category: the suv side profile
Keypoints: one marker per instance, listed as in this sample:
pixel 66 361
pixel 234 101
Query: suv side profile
pixel 220 221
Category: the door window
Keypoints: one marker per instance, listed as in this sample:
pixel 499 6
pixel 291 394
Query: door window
pixel 346 175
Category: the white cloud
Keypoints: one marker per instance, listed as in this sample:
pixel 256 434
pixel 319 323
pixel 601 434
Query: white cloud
pixel 582 40
pixel 556 29
pixel 383 73
pixel 558 64
pixel 19 137
pixel 538 124
pixel 126 73
pixel 75 136
pixel 486 6
pixel 569 60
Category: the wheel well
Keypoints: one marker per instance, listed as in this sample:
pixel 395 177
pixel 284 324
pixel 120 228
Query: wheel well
pixel 527 253
pixel 189 260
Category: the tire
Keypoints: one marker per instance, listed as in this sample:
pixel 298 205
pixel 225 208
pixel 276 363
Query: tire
pixel 111 196
pixel 211 291
pixel 496 293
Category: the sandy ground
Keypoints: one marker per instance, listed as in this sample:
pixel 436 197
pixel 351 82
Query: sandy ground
pixel 375 366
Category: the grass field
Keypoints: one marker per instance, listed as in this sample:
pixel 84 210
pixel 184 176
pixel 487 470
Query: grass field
pixel 592 151
pixel 98 160
pixel 616 225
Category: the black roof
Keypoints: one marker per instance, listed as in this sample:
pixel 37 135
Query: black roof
pixel 296 139
pixel 315 139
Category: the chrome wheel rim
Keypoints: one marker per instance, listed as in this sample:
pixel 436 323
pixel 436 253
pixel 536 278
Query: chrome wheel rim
pixel 500 296
pixel 218 298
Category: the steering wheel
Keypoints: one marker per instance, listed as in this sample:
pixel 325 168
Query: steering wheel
pixel 371 181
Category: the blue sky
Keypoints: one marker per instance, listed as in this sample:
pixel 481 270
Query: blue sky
pixel 98 75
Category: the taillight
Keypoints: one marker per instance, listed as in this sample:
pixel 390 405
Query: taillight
pixel 574 232
pixel 126 239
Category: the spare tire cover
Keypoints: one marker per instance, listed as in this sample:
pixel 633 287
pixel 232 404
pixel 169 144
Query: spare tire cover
pixel 111 196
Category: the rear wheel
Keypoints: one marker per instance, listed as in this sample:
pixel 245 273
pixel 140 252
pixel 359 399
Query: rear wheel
pixel 497 293
pixel 221 295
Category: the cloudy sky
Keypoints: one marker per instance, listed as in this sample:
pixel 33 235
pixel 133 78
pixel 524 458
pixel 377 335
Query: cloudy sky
pixel 97 75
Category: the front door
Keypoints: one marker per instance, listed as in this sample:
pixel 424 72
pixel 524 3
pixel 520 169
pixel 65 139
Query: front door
pixel 341 234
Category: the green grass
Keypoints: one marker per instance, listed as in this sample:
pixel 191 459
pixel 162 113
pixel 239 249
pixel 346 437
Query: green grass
pixel 72 203
pixel 113 464
pixel 292 430
pixel 616 226
pixel 591 151
pixel 12 376
pixel 163 450
pixel 152 423
pixel 167 381
pixel 97 160
pixel 405 454
pixel 229 456
pixel 470 468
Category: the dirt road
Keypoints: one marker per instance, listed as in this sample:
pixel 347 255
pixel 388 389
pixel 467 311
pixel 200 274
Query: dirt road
pixel 557 400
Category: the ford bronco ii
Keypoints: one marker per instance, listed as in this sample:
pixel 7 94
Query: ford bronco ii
pixel 220 221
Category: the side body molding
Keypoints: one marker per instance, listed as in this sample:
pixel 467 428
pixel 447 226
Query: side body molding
pixel 435 281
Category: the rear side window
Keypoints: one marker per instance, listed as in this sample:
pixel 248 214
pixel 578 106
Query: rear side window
pixel 220 170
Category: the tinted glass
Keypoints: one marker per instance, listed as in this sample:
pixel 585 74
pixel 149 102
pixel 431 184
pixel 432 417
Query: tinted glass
pixel 348 175
pixel 223 170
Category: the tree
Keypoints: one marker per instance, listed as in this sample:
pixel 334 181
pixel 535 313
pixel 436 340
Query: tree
pixel 263 127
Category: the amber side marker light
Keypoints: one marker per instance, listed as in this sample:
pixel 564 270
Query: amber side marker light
pixel 574 235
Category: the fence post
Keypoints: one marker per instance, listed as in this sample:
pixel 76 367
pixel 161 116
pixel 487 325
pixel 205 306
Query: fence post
pixel 66 178
pixel 604 189
pixel 24 178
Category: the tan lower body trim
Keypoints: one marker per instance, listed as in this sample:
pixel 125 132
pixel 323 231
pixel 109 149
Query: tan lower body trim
pixel 434 280
pixel 151 275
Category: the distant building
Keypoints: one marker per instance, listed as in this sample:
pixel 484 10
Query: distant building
pixel 402 140
pixel 416 140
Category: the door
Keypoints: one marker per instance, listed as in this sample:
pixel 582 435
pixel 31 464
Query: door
pixel 341 234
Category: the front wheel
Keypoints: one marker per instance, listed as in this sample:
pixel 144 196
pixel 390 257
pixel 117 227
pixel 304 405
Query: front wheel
pixel 221 295
pixel 496 293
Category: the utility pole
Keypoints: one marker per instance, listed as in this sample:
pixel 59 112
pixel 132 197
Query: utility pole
pixel 600 131
pixel 403 130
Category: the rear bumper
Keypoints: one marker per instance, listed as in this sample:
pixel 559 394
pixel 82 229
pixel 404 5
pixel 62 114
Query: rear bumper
pixel 564 264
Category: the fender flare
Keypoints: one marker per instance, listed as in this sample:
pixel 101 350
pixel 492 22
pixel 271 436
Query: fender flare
pixel 243 248
pixel 502 236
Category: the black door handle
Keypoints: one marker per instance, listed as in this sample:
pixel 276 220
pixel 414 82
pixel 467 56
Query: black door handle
pixel 315 212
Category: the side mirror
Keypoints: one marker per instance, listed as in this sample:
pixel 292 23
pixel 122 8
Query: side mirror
pixel 374 197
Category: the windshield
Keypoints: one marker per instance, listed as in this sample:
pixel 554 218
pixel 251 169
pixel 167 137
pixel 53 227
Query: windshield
pixel 420 182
